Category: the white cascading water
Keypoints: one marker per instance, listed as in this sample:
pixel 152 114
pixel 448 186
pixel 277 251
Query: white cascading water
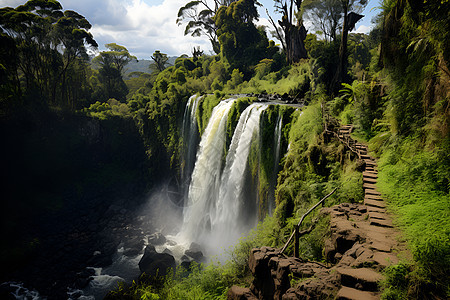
pixel 212 215
pixel 191 136
pixel 205 180
pixel 276 162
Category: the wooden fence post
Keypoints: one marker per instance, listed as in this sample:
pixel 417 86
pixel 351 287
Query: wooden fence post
pixel 303 217
pixel 296 241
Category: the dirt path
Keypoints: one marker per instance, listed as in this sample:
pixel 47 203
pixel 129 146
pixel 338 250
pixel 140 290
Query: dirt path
pixel 376 243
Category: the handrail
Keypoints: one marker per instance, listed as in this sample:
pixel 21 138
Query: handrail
pixel 301 221
pixel 347 140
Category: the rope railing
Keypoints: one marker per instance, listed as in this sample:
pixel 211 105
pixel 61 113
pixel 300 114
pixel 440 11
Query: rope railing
pixel 295 233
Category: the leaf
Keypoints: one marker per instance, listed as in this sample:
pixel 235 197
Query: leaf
pixel 188 6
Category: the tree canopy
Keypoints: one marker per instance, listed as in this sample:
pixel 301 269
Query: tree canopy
pixel 160 60
pixel 112 65
pixel 202 22
pixel 118 56
pixel 43 44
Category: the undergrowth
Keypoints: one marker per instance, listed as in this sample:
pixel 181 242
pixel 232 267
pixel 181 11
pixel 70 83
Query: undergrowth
pixel 415 181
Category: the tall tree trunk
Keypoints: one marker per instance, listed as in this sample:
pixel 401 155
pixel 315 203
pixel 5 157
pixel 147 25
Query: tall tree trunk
pixel 342 66
pixel 294 35
pixel 295 44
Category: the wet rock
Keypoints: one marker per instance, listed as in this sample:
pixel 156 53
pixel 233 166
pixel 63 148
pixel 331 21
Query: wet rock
pixel 156 264
pixel 195 252
pixel 100 260
pixel 167 251
pixel 240 293
pixel 156 239
pixel 186 263
pixel 133 247
pixel 171 243
pixel 83 278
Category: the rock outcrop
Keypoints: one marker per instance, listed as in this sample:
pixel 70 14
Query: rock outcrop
pixel 156 264
pixel 357 251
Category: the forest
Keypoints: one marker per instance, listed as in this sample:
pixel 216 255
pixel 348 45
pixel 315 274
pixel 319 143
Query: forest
pixel 78 135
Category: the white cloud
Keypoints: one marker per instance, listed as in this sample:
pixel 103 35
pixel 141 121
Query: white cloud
pixel 12 3
pixel 363 29
pixel 141 27
pixel 144 28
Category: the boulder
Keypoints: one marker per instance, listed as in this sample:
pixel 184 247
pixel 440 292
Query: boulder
pixel 168 251
pixel 263 285
pixel 195 252
pixel 240 293
pixel 133 247
pixel 156 264
pixel 186 263
pixel 156 239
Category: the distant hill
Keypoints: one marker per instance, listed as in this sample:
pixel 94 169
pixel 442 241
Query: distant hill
pixel 142 65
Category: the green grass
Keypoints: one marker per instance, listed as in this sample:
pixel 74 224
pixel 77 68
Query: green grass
pixel 416 184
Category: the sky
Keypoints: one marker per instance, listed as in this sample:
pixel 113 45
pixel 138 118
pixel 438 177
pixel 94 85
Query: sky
pixel 143 26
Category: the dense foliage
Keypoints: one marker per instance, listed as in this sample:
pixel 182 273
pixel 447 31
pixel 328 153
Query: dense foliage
pixel 43 54
pixel 395 91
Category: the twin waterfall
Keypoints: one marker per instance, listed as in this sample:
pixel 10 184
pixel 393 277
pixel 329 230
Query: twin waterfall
pixel 221 202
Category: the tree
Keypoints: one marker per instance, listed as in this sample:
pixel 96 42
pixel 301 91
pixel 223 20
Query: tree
pixel 47 43
pixel 241 42
pixel 293 33
pixel 202 23
pixel 71 29
pixel 325 16
pixel 110 73
pixel 118 56
pixel 160 60
pixel 197 53
pixel 348 24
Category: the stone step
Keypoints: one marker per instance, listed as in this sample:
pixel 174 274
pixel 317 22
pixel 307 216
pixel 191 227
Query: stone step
pixel 380 222
pixel 369 162
pixel 374 197
pixel 372 192
pixel 347 293
pixel 363 278
pixel 370 180
pixel 380 246
pixel 374 203
pixel 367 157
pixel 370 174
pixel 385 259
pixel 373 209
pixel 378 215
pixel 369 186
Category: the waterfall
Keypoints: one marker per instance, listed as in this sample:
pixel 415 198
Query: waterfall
pixel 205 182
pixel 214 216
pixel 276 162
pixel 190 137
pixel 227 223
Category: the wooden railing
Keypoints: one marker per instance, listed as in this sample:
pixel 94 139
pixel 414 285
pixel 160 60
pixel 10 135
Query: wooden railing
pixel 296 233
pixel 342 133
